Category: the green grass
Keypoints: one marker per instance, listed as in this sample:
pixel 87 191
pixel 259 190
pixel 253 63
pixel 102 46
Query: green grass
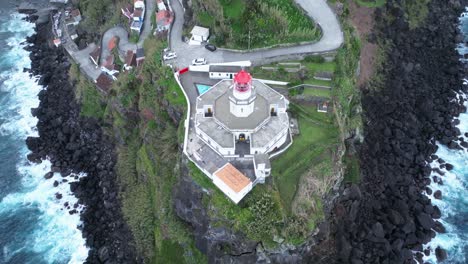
pixel 293 78
pixel 170 253
pixel 92 101
pixel 270 23
pixel 232 8
pixel 320 67
pixel 371 3
pixel 316 92
pixel 316 136
pixel 205 19
pixel 173 92
pixel 318 82
pixel 352 172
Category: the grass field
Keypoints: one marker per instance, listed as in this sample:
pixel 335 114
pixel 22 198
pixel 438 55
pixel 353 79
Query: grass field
pixel 317 134
pixel 316 92
pixel 371 3
pixel 292 77
pixel 232 8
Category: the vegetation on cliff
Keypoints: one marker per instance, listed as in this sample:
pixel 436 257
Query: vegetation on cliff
pixel 252 24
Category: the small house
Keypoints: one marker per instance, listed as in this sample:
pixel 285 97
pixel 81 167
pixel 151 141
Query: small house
pixel 138 15
pixel 74 18
pixel 57 42
pixel 140 56
pixel 161 5
pixel 95 55
pixel 104 82
pixel 130 60
pixel 164 20
pixel 199 35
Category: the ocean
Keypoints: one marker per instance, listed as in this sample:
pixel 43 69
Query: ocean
pixel 34 225
pixel 454 202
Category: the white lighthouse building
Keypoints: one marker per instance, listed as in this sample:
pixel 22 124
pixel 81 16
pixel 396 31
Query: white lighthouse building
pixel 242 120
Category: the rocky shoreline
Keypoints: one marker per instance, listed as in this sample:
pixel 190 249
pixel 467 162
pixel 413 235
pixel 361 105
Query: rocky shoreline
pixel 75 144
pixel 388 217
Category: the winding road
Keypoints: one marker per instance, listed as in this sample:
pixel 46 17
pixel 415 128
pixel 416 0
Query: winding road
pixel 318 10
pixel 122 34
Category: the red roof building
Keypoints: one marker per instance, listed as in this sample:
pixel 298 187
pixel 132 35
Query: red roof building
pixel 164 20
pixel 104 82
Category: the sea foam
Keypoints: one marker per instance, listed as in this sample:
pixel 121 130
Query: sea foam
pixel 54 233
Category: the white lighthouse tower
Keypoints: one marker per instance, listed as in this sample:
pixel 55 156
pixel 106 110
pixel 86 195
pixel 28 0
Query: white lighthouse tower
pixel 242 96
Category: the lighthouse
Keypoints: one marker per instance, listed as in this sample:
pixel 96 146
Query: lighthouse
pixel 242 95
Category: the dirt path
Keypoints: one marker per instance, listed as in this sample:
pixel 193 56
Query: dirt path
pixel 363 19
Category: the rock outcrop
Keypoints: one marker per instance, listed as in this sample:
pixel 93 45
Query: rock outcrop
pixel 75 144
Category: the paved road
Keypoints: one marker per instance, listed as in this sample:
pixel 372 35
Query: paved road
pixel 81 57
pixel 318 10
pixel 122 34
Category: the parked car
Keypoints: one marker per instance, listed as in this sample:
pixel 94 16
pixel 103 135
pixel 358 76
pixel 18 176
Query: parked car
pixel 170 55
pixel 210 47
pixel 199 61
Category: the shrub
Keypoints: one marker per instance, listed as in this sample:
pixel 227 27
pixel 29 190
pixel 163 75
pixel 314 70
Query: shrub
pixel 314 59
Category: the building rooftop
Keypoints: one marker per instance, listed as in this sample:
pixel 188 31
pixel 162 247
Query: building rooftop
pixel 200 31
pixel 224 68
pixel 215 131
pixel 222 112
pixel 96 53
pixel 75 13
pixel 140 53
pixel 104 82
pixel 232 177
pixel 262 158
pixel 164 18
pixel 138 12
pixel 130 59
pixel 269 130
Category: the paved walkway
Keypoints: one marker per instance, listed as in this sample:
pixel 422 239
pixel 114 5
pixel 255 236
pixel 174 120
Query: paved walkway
pixel 318 10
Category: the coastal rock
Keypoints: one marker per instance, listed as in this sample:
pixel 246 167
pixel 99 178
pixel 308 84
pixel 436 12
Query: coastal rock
pixel 441 254
pixel 48 175
pixel 438 194
pixel 76 144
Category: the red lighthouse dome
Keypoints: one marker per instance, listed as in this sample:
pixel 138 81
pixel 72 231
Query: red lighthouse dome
pixel 243 81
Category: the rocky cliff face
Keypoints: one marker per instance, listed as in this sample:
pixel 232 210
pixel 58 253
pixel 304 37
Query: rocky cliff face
pixel 75 144
pixel 387 218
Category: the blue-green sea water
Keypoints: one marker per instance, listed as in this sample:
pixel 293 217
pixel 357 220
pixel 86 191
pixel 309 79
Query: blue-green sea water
pixel 34 226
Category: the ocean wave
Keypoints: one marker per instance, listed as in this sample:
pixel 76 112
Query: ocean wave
pixel 454 202
pixel 44 226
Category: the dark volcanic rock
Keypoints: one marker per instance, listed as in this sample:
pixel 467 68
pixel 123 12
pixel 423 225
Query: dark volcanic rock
pixel 49 175
pixel 441 254
pixel 404 118
pixel 75 144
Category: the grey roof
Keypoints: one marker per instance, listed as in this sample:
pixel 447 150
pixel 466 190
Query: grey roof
pixel 222 68
pixel 262 158
pixel 223 113
pixel 265 134
pixel 266 128
pixel 210 127
pixel 140 52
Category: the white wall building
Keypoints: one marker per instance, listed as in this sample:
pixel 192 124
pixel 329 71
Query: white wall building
pixel 242 119
pixel 199 35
